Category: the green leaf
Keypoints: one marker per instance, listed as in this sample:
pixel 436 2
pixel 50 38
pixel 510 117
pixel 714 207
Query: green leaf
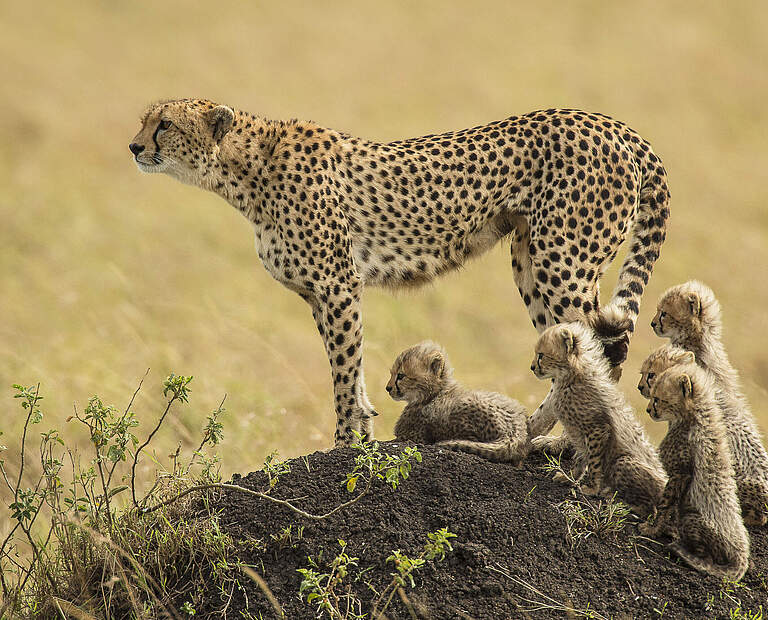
pixel 116 490
pixel 351 483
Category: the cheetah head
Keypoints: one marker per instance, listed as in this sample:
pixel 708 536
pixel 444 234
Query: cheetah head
pixel 565 346
pixel 657 362
pixel 685 312
pixel 419 373
pixel 181 138
pixel 673 395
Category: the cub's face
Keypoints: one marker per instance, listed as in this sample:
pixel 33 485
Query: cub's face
pixel 671 394
pixel 677 314
pixel 551 353
pixel 657 362
pixel 417 373
pixel 180 138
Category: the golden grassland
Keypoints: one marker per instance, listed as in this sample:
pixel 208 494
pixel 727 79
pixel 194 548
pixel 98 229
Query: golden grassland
pixel 105 272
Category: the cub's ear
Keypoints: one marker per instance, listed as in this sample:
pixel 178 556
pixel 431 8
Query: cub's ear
pixel 688 358
pixel 437 364
pixel 686 387
pixel 569 344
pixel 220 121
pixel 694 304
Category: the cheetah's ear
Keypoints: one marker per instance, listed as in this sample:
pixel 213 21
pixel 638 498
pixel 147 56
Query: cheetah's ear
pixel 686 387
pixel 220 120
pixel 437 364
pixel 569 344
pixel 688 358
pixel 694 304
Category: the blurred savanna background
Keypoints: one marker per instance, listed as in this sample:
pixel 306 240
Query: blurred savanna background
pixel 105 272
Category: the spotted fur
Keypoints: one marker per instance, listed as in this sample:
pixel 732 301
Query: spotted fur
pixel 596 418
pixel 699 503
pixel 657 362
pixel 333 213
pixel 442 411
pixel 690 316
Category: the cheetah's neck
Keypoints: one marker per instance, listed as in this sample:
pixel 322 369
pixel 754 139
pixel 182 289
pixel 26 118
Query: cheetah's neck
pixel 245 164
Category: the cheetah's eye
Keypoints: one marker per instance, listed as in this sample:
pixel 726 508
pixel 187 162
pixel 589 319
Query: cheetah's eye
pixel 399 376
pixel 651 375
pixel 164 125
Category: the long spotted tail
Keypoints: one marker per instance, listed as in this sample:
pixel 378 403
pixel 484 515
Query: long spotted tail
pixel 502 451
pixel 616 320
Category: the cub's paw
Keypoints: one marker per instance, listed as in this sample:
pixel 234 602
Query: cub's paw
pixel 591 488
pixel 546 443
pixel 649 528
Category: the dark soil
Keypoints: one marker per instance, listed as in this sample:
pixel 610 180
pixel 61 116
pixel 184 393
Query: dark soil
pixel 512 557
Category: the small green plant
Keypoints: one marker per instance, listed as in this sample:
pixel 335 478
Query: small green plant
pixel 333 596
pixel 586 517
pixel 372 464
pixel 739 614
pixel 286 538
pixel 327 591
pixel 554 466
pixel 437 545
pixel 274 468
pixel 660 612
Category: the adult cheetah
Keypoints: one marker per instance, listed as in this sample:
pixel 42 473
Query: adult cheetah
pixel 333 213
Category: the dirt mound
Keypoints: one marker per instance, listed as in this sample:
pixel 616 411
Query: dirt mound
pixel 513 556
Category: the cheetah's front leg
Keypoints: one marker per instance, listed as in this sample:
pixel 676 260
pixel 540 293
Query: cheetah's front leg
pixel 338 317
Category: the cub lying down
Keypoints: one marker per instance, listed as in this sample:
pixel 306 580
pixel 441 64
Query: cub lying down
pixel 442 411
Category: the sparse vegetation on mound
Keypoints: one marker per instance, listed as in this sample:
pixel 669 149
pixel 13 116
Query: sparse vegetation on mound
pixel 375 531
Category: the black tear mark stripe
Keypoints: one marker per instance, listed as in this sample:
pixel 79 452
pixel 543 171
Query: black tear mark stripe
pixel 157 146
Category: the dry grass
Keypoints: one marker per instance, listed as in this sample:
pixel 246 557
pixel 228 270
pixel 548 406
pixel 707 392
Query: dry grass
pixel 106 272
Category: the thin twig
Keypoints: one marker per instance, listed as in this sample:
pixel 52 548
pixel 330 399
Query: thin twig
pixel 548 602
pixel 205 440
pixel 145 444
pixel 23 440
pixel 281 502
pixel 125 414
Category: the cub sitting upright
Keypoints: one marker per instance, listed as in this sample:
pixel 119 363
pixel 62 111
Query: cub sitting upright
pixel 657 362
pixel 441 411
pixel 689 315
pixel 700 497
pixel 596 418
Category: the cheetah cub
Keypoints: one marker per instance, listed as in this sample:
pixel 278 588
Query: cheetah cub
pixel 441 411
pixel 658 361
pixel 599 422
pixel 689 315
pixel 700 497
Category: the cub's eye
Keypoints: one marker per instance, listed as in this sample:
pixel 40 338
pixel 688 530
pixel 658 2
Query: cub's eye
pixel 539 356
pixel 399 376
pixel 651 375
pixel 164 125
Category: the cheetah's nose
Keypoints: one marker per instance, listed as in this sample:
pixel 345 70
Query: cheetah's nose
pixel 653 324
pixel 389 389
pixel 135 148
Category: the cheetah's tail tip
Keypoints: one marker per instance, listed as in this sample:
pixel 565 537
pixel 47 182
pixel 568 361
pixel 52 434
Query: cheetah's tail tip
pixel 612 328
